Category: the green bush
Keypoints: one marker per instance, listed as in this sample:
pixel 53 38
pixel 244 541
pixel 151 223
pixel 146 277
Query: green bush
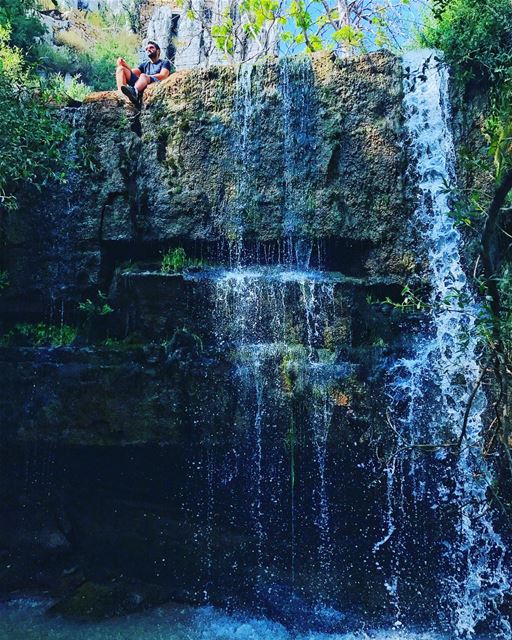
pixel 40 335
pixel 20 18
pixel 90 49
pixel 75 88
pixel 33 132
pixel 57 60
pixel 100 64
pixel 96 309
pixel 476 36
pixel 175 260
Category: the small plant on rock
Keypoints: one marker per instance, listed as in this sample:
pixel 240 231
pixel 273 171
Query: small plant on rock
pixel 175 260
pixel 98 308
pixel 94 311
pixel 40 334
pixel 4 280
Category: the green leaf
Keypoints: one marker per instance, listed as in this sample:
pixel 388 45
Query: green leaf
pixel 348 35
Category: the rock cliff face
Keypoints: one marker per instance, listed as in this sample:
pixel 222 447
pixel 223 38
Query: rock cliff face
pixel 116 6
pixel 279 196
pixel 299 150
pixel 249 165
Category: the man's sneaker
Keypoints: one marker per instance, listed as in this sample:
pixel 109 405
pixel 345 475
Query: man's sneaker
pixel 132 94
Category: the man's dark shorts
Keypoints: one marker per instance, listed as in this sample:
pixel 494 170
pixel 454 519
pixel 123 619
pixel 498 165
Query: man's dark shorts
pixel 133 79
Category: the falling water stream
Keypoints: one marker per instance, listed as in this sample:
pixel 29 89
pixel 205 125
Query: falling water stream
pixel 272 318
pixel 297 93
pixel 431 389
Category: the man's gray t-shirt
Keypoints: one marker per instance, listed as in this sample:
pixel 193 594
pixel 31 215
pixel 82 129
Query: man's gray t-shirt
pixel 152 68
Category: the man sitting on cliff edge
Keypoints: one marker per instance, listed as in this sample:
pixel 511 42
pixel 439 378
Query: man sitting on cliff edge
pixel 132 82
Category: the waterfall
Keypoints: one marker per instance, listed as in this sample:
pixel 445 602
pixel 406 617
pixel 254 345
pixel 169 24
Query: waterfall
pixel 271 321
pixel 245 116
pixel 287 469
pixel 431 388
pixel 321 417
pixel 297 140
pixel 273 305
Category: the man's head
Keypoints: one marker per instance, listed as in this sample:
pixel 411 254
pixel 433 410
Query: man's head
pixel 152 50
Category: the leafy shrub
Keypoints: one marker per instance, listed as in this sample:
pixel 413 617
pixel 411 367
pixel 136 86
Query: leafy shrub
pixel 75 88
pixel 95 313
pixel 97 308
pixel 40 335
pixel 31 150
pixel 476 37
pixel 71 39
pixel 99 65
pixel 56 59
pixel 19 18
pixel 90 49
pixel 173 260
pixel 176 260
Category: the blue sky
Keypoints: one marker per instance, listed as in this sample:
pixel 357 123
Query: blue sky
pixel 407 23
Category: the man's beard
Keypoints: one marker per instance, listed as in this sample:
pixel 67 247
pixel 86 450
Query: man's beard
pixel 154 56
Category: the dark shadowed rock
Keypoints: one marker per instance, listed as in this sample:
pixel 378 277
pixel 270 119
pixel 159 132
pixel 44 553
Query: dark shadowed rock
pixel 99 601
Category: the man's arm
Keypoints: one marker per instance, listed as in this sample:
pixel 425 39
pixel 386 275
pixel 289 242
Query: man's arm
pixel 122 63
pixel 165 72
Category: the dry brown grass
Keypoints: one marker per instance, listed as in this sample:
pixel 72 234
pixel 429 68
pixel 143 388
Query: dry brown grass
pixel 71 39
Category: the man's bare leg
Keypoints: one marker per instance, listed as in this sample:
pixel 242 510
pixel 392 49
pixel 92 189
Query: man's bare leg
pixel 122 76
pixel 142 82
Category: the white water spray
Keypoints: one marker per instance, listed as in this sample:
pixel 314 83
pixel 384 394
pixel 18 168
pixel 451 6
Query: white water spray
pixel 270 317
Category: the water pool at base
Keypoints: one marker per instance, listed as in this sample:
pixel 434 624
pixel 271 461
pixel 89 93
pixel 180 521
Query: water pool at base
pixel 26 618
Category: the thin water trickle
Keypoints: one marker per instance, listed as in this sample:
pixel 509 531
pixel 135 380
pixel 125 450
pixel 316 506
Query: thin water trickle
pixel 208 529
pixel 245 114
pixel 297 94
pixel 259 387
pixel 321 417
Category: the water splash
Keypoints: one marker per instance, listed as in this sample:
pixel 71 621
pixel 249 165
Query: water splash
pixel 273 305
pixel 25 618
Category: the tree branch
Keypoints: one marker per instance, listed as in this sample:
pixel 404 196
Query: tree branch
pixel 489 250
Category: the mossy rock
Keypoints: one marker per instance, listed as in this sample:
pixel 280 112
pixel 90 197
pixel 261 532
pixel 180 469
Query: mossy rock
pixel 99 601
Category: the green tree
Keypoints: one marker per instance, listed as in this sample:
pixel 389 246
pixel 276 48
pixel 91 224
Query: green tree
pixel 247 29
pixel 476 36
pixel 21 18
